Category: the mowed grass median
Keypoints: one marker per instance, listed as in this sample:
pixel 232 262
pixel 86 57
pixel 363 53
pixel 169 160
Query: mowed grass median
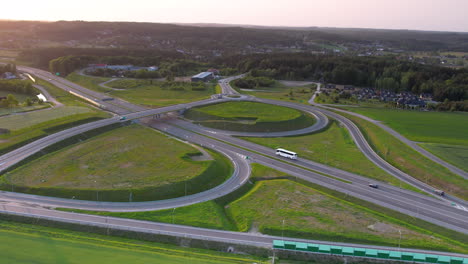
pixel 131 163
pixel 273 203
pixel 333 146
pixel 250 117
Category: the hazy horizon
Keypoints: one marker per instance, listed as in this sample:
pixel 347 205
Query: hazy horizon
pixel 427 15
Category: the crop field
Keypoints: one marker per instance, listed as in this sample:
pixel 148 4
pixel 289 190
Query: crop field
pixel 263 205
pixel 22 243
pixel 333 147
pixel 126 158
pixel 428 127
pixel 250 116
pixel 408 160
pixel 456 155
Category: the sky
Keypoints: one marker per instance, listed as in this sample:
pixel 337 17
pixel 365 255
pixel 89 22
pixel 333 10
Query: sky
pixel 440 15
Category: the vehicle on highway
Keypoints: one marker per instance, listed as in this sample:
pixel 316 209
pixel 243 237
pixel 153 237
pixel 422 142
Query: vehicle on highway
pixel 286 153
pixel 439 192
pixel 123 118
pixel 373 185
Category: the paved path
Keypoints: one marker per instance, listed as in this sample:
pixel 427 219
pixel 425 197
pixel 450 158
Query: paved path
pixel 48 96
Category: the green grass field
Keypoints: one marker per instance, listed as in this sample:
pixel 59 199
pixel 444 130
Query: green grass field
pixel 89 82
pixel 21 243
pixel 142 92
pixel 300 94
pixel 456 155
pixel 428 127
pixel 333 147
pixel 20 121
pixel 311 214
pixel 51 121
pixel 125 158
pixel 408 160
pixel 249 116
pixel 262 205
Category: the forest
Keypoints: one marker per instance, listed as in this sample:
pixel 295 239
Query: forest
pixel 386 73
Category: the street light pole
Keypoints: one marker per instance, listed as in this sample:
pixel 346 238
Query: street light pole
pixel 173 210
pixel 399 241
pixel 282 230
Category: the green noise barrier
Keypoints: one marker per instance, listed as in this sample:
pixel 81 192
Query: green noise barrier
pixel 368 253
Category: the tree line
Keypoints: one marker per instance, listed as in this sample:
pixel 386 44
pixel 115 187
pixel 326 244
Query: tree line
pixel 386 73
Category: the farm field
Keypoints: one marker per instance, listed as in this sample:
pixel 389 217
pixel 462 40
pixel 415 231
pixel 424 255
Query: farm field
pixel 123 159
pixel 408 160
pixel 456 155
pixel 308 212
pixel 47 245
pixel 250 116
pixel 427 127
pixel 333 147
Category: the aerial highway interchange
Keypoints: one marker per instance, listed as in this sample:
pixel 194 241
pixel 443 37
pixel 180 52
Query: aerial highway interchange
pixel 448 211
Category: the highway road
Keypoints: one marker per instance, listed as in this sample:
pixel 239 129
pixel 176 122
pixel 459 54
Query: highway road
pixel 117 106
pixel 232 238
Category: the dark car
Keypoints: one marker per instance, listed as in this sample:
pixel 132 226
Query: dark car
pixel 373 185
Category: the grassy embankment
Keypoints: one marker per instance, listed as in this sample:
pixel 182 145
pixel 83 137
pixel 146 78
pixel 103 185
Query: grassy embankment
pixel 150 93
pixel 250 117
pixel 408 160
pixel 443 133
pixel 52 245
pixel 308 211
pixel 279 91
pixel 30 126
pixel 124 164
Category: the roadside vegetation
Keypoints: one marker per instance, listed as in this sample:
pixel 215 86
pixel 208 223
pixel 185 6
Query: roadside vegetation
pixel 250 117
pixel 410 161
pixel 274 203
pixel 123 164
pixel 53 245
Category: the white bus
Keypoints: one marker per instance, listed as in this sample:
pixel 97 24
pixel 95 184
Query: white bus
pixel 286 153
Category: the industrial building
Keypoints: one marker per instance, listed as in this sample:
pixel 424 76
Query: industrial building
pixel 203 77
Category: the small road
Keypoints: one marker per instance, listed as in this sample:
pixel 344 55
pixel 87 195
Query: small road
pixel 48 96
